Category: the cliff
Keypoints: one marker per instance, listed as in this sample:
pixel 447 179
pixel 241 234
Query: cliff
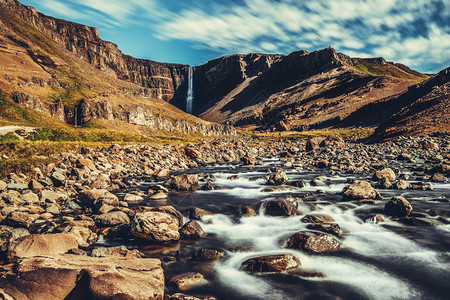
pixel 162 80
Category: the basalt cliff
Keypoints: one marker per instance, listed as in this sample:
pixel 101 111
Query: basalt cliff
pixel 64 72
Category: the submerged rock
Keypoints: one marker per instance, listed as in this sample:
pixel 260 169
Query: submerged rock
pixel 333 228
pixel 280 207
pixel 317 218
pixel 188 281
pixel 277 178
pixel 271 263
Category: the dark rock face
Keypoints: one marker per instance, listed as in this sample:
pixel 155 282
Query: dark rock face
pixel 159 80
pixel 310 242
pixel 271 263
pixel 398 207
pixel 280 207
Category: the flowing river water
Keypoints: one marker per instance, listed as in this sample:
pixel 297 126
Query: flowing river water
pixel 385 260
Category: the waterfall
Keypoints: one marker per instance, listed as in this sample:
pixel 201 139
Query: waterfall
pixel 190 91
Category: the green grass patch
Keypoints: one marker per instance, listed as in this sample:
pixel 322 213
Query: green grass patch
pixel 306 135
pixel 9 137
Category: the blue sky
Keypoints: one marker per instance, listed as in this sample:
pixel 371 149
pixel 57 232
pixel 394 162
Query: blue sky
pixel 412 32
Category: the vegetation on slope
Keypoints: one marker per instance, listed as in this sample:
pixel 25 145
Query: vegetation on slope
pixel 394 70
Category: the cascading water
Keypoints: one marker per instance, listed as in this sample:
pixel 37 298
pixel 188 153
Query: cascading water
pixel 190 92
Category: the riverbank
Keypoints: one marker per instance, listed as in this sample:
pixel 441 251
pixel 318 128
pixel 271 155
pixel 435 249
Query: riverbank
pixel 125 196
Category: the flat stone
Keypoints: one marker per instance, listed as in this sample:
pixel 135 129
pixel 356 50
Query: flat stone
pixel 188 281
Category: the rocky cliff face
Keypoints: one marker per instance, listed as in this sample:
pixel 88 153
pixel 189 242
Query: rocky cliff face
pixel 163 81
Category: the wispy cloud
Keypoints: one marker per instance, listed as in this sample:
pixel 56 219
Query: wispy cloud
pixel 414 32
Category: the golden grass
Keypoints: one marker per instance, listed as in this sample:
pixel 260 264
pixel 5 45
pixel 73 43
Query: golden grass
pixel 306 135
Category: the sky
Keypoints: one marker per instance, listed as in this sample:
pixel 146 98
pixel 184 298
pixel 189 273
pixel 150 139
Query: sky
pixel 413 32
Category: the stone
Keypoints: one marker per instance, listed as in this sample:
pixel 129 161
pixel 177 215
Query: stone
pixel 192 153
pixel 438 177
pixel 3 185
pixel 333 141
pixel 160 195
pixel 384 183
pixel 317 218
pixel 278 178
pixel 158 227
pixel 36 186
pixel 41 245
pixel 19 219
pixel 280 207
pixel 105 251
pixel 313 143
pixel 192 230
pixel 10 234
pixel 330 228
pixel 248 161
pixel 90 196
pixel 85 237
pixel 323 163
pixel 271 263
pixel 82 277
pixel 112 219
pixel 30 198
pixel 133 198
pixel 386 173
pixel 51 196
pixel 188 281
pixel 398 207
pixel 181 296
pixel 184 182
pixel 196 213
pixel 401 185
pixel 209 254
pixel 84 162
pixel 233 177
pixel 314 243
pixel 168 209
pixel 107 199
pixel 58 179
pixel 360 190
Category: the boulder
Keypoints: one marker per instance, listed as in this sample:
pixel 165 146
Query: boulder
pixel 313 143
pixel 132 198
pixel 58 179
pixel 209 254
pixel 386 173
pixel 82 277
pixel 85 237
pixel 333 141
pixel 154 226
pixel 271 263
pixel 10 234
pixel 317 218
pixel 3 186
pixel 192 230
pixel 51 196
pixel 188 281
pixel 184 182
pixel 330 228
pixel 112 218
pixel 192 153
pixel 168 209
pixel 90 196
pixel 278 178
pixel 40 245
pixel 248 161
pixel 196 213
pixel 401 185
pixel 398 207
pixel 19 219
pixel 360 190
pixel 314 243
pixel 280 207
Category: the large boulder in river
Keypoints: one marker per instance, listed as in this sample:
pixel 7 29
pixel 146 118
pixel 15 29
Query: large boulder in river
pixel 154 226
pixel 311 242
pixel 271 263
pixel 398 207
pixel 360 190
pixel 83 277
pixel 184 182
pixel 41 244
pixel 280 208
pixel 277 178
pixel 386 173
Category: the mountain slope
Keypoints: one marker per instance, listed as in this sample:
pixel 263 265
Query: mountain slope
pixel 46 79
pixel 294 92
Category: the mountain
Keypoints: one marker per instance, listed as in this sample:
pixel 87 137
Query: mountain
pixel 57 72
pixel 294 92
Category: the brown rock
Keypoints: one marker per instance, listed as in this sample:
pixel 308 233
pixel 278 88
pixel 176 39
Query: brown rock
pixel 310 242
pixel 19 219
pixel 184 182
pixel 209 254
pixel 332 228
pixel 84 162
pixel 82 277
pixel 278 178
pixel 317 218
pixel 192 230
pixel 280 207
pixel 41 244
pixel 386 173
pixel 314 143
pixel 188 281
pixel 155 226
pixel 398 207
pixel 196 213
pixel 360 190
pixel 113 218
pixel 192 153
pixel 333 141
pixel 271 263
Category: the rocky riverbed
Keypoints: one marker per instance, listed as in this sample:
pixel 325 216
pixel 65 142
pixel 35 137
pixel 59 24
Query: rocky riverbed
pixel 231 219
